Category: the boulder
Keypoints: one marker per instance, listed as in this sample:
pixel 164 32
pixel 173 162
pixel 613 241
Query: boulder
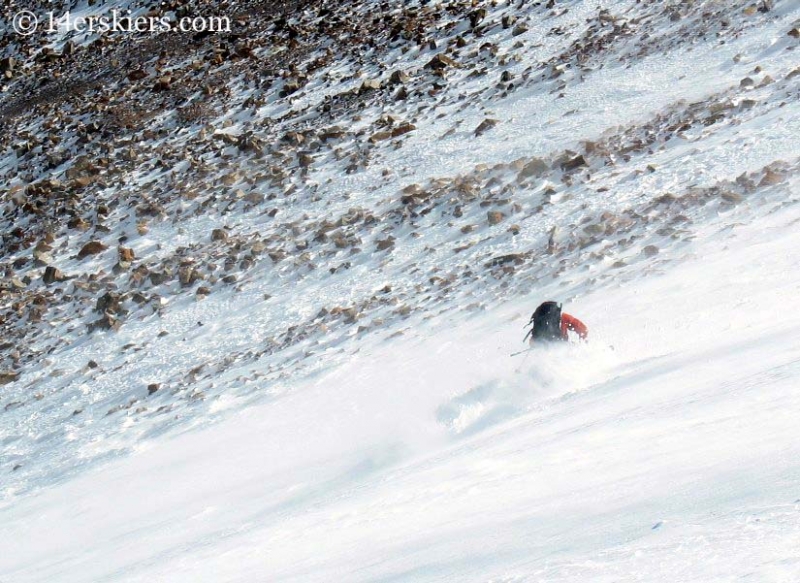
pixel 485 126
pixel 52 275
pixel 91 248
pixel 495 217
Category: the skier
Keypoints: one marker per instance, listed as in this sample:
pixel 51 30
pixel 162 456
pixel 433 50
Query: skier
pixel 550 324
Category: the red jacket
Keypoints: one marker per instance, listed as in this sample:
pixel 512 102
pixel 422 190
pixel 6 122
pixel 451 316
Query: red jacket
pixel 572 323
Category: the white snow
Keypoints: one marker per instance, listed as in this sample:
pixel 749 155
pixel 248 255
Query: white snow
pixel 665 450
pixel 670 457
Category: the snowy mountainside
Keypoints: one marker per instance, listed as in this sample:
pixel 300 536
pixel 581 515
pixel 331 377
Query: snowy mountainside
pixel 439 458
pixel 320 236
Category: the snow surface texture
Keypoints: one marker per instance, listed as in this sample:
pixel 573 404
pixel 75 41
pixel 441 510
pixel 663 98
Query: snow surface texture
pixel 671 457
pixel 664 450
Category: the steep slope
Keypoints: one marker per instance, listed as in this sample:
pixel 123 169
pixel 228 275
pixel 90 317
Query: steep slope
pixel 671 458
pixel 320 235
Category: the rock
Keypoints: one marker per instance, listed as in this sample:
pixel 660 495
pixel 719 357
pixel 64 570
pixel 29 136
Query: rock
pixel 732 197
pixel 219 235
pixel 41 255
pixel 770 178
pixel 510 259
pixel 78 224
pixel 153 388
pixel 440 62
pixel 573 163
pixel 385 244
pixel 231 178
pixel 399 78
pixel 91 248
pixel 126 255
pixel 403 129
pixel 380 137
pixel 495 217
pixel 159 277
pixel 305 159
pixel 370 85
pixel 7 64
pixel 187 275
pixel 107 322
pixel 7 377
pixel 519 29
pixel 747 83
pixel 109 303
pixel 333 133
pixel 277 256
pixel 536 167
pixel 485 126
pixel 203 291
pixel 795 32
pixel 506 77
pixel 164 83
pixel 507 21
pixel 477 16
pixel 137 75
pixel 650 251
pixel 294 138
pixel 291 86
pixel 82 181
pixel 52 275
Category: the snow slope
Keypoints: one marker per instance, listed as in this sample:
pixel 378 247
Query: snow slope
pixel 406 444
pixel 672 457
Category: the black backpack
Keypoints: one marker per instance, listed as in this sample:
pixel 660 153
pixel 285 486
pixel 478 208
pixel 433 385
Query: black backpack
pixel 546 322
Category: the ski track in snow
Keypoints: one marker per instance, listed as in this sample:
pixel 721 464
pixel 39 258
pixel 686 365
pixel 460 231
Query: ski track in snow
pixel 664 450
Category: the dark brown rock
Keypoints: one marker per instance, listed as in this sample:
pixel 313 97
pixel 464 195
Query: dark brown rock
pixel 187 275
pixel 441 62
pixel 219 235
pixel 137 75
pixel 7 377
pixel 370 85
pixel 510 259
pixel 495 217
pixel 126 254
pixel 403 129
pixel 485 126
pixel 477 16
pixel 574 163
pixel 399 78
pixel 385 244
pixel 91 248
pixel 52 275
pixel 164 83
pixel 536 167
pixel 109 303
pixel 519 29
pixel 107 322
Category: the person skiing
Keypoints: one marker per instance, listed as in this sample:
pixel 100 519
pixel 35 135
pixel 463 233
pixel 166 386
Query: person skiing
pixel 549 324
